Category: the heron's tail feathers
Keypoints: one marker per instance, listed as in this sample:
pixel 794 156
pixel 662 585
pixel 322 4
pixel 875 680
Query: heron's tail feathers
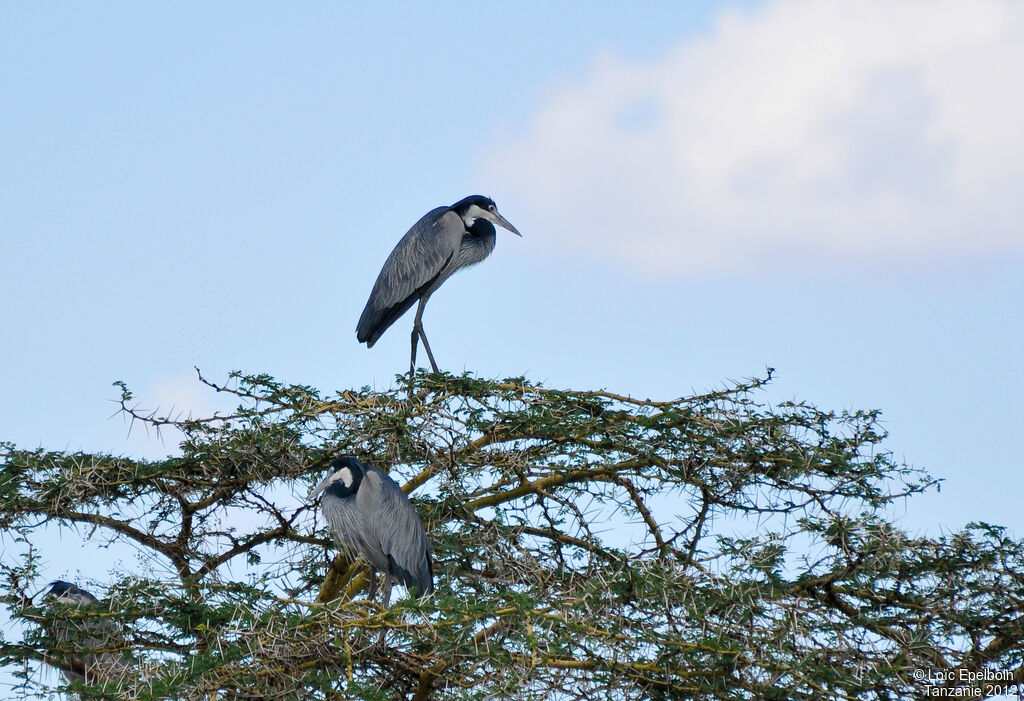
pixel 422 581
pixel 374 322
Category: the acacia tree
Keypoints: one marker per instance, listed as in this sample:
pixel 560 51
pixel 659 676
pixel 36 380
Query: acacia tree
pixel 587 544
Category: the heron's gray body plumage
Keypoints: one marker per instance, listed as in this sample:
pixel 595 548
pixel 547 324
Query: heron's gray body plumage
pixel 431 251
pixel 373 517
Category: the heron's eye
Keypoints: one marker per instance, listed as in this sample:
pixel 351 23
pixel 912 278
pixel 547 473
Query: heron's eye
pixel 493 208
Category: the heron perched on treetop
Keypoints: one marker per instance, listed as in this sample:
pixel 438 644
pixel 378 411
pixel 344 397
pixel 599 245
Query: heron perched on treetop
pixel 445 240
pixel 369 515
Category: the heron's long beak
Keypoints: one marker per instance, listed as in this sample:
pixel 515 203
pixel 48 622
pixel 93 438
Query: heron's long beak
pixel 319 488
pixel 503 222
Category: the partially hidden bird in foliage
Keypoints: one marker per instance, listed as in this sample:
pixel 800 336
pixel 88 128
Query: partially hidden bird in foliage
pixel 370 516
pixel 83 643
pixel 444 240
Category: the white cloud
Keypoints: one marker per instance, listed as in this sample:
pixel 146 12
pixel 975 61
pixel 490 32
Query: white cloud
pixel 871 130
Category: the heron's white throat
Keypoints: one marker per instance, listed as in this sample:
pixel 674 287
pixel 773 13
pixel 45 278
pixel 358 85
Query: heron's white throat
pixel 473 213
pixel 345 475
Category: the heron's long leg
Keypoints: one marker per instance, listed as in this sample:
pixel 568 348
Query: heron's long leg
pixel 373 584
pixel 386 599
pixel 426 345
pixel 412 359
pixel 417 327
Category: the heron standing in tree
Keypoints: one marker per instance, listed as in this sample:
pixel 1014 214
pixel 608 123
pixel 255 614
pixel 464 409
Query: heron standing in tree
pixel 84 635
pixel 445 240
pixel 370 515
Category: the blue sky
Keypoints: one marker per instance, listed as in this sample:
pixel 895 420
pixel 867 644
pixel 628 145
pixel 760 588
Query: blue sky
pixel 703 192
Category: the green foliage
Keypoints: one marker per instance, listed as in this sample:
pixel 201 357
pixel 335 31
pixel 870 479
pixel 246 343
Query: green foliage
pixel 586 544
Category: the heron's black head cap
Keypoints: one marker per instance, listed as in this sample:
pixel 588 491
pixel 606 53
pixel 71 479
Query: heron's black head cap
pixel 60 589
pixel 347 461
pixel 347 474
pixel 485 203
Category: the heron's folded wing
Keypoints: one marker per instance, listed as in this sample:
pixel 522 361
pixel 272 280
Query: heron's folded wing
pixel 403 538
pixel 417 261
